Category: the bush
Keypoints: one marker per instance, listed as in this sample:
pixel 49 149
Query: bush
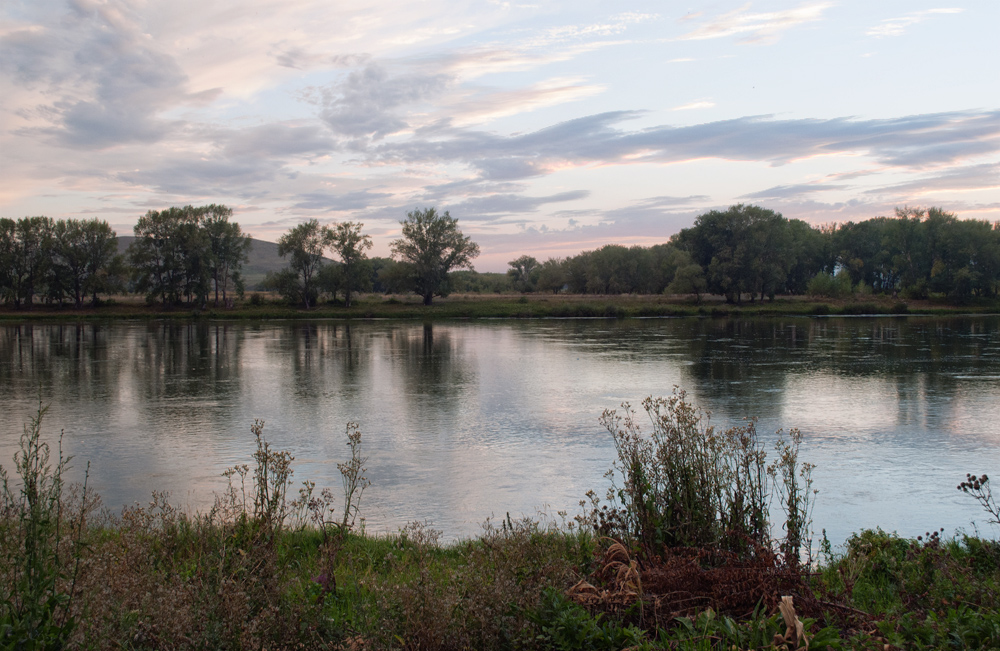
pixel 824 284
pixel 690 485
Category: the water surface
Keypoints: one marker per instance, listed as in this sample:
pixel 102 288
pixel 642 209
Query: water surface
pixel 464 420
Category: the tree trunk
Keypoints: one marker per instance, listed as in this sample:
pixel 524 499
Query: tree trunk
pixel 428 297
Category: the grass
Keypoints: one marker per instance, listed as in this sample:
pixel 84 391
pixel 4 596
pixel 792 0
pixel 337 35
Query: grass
pixel 266 569
pixel 484 306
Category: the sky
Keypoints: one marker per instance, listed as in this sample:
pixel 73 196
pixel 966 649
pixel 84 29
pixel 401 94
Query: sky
pixel 545 129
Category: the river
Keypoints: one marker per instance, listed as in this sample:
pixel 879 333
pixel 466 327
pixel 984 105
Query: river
pixel 464 420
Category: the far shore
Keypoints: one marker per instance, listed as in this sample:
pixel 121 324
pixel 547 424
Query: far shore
pixel 262 305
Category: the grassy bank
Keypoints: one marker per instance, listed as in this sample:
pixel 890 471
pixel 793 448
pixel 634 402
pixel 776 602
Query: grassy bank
pixel 268 569
pixel 484 306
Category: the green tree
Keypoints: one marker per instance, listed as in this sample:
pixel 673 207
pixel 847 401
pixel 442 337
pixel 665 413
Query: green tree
pixel 85 260
pixel 284 282
pixel 551 276
pixel 230 250
pixel 170 255
pixel 391 277
pixel 687 276
pixel 742 249
pixel 523 273
pixel 350 244
pixel 26 247
pixel 432 246
pixel 305 244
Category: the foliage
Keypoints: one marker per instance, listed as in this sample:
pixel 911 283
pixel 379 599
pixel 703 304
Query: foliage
pixel 85 261
pixel 350 244
pixel 564 625
pixel 743 250
pixel 431 246
pixel 796 496
pixel 829 285
pixel 305 243
pixel 25 258
pixel 524 273
pixel 38 575
pixel 172 256
pixel 230 250
pixel 686 484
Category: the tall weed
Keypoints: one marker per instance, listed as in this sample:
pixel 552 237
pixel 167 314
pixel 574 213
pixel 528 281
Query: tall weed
pixel 41 542
pixel 686 483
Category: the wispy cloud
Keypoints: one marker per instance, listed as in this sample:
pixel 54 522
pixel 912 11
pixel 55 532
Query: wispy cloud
pixel 898 26
pixel 700 104
pixel 494 205
pixel 759 27
pixel 960 179
pixel 797 190
pixel 913 142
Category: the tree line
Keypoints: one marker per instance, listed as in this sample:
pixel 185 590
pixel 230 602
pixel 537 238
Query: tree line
pixel 178 255
pixel 431 246
pixel 196 254
pixel 58 260
pixel 749 252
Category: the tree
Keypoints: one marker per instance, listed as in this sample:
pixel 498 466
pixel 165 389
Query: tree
pixel 230 249
pixel 306 243
pixel 26 248
pixel 432 246
pixel 170 255
pixel 739 249
pixel 350 244
pixel 85 260
pixel 551 276
pixel 523 273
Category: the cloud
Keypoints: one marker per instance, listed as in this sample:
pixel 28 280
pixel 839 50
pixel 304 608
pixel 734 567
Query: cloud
pixel 186 176
pixel 488 104
pixel 757 28
pixel 796 190
pixel 488 207
pixel 898 26
pixel 364 104
pixel 700 104
pixel 276 140
pixel 339 201
pixel 297 57
pixel 961 179
pixel 912 142
pixel 672 202
pixel 105 83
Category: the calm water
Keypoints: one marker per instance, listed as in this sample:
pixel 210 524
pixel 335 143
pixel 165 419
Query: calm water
pixel 465 420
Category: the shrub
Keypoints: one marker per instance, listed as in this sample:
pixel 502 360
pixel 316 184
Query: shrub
pixel 688 484
pixel 824 284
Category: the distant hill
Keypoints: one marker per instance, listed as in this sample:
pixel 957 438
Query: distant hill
pixel 263 258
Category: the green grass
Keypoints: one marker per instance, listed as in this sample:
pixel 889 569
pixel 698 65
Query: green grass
pixel 507 306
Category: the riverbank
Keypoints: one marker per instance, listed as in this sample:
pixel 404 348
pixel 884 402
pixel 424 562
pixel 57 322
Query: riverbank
pixel 264 569
pixel 156 578
pixel 505 306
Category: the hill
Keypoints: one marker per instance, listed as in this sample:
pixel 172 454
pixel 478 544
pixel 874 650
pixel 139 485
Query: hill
pixel 263 258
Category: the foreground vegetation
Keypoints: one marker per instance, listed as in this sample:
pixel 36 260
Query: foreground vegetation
pixel 678 555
